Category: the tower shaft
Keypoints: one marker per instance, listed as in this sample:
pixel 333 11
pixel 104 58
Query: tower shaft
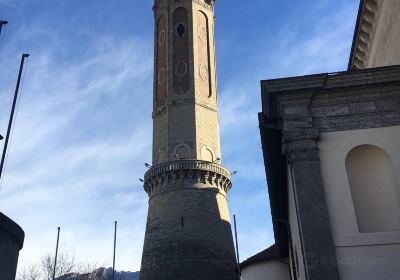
pixel 188 232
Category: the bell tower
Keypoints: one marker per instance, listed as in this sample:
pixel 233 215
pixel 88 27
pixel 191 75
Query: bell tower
pixel 188 232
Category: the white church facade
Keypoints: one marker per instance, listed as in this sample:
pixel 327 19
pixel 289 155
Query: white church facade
pixel 332 156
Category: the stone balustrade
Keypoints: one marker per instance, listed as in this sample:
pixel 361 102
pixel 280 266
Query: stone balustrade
pixel 187 174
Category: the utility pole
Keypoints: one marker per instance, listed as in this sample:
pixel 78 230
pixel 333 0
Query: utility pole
pixel 115 245
pixel 2 22
pixel 55 258
pixel 3 157
pixel 237 247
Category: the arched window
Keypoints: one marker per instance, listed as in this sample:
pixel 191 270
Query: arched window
pixel 375 191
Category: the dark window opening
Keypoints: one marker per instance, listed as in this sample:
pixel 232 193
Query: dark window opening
pixel 180 30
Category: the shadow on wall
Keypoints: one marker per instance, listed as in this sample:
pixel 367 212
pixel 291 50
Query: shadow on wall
pixel 374 188
pixel 189 236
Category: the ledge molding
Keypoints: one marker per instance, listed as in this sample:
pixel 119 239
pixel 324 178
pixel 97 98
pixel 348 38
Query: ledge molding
pixel 364 35
pixel 188 174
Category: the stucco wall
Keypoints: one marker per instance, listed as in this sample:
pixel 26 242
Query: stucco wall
pixel 360 255
pixel 386 46
pixel 268 270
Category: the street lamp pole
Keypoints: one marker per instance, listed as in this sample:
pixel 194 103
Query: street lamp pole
pixel 2 22
pixel 3 157
pixel 115 245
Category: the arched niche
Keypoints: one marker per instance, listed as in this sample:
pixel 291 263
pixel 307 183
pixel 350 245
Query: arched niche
pixel 182 151
pixel 203 54
pixel 374 188
pixel 160 158
pixel 181 50
pixel 161 65
pixel 207 154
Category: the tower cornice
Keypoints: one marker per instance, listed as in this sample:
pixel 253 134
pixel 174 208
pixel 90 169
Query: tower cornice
pixel 160 6
pixel 189 173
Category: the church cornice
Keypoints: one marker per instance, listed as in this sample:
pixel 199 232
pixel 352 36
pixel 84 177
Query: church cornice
pixel 367 21
pixel 187 174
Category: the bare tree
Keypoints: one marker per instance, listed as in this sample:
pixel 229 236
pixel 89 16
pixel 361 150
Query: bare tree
pixel 87 270
pixel 45 268
pixel 33 272
pixel 65 264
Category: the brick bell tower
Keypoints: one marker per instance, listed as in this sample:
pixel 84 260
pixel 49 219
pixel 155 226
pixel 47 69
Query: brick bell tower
pixel 188 233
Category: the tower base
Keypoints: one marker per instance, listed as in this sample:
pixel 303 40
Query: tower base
pixel 188 233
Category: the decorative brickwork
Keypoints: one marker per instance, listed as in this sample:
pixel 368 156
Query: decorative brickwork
pixel 188 232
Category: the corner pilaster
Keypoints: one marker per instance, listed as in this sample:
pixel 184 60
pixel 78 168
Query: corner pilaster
pixel 301 149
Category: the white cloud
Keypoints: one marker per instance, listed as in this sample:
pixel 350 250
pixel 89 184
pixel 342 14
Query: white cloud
pixel 68 164
pixel 83 132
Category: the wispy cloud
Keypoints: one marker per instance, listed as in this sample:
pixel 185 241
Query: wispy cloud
pixel 313 43
pixel 83 129
pixel 81 136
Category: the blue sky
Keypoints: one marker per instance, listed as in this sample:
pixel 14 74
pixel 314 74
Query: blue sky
pixel 83 128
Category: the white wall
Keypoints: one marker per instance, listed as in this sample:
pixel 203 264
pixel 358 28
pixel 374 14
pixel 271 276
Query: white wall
pixel 374 188
pixel 268 270
pixel 358 252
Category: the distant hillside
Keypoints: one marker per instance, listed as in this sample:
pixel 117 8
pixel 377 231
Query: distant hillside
pixel 101 274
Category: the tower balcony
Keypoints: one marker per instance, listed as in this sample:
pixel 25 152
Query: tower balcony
pixel 187 174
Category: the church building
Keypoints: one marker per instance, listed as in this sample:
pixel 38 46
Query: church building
pixel 331 150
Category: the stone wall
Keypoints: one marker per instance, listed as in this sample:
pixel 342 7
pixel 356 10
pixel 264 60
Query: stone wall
pixel 188 228
pixel 322 117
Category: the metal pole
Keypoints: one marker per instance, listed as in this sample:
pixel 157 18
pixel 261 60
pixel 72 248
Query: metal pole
pixel 3 157
pixel 115 245
pixel 55 258
pixel 2 22
pixel 237 246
